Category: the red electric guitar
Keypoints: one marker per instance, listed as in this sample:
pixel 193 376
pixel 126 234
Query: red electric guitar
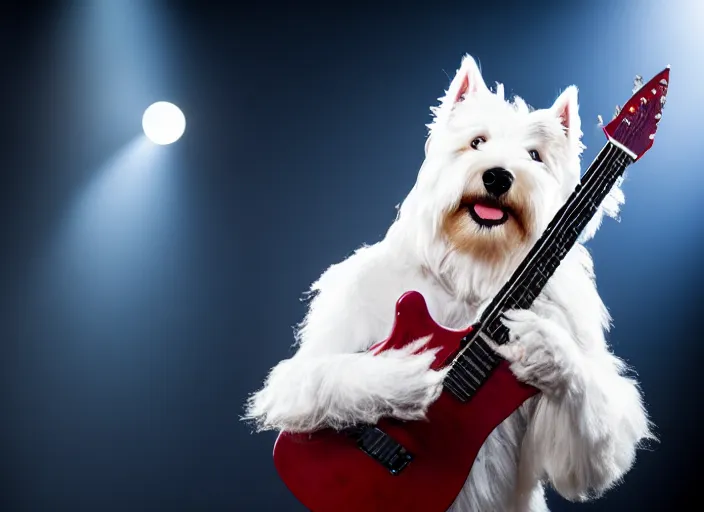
pixel 422 465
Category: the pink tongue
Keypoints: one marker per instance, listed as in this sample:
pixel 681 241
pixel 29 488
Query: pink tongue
pixel 488 213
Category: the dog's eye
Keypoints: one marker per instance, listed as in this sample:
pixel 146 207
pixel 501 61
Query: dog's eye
pixel 535 155
pixel 478 142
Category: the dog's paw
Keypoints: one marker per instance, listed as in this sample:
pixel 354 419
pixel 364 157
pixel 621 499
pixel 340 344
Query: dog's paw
pixel 540 352
pixel 415 385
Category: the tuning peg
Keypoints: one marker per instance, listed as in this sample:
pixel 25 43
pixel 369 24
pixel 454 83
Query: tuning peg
pixel 663 100
pixel 663 81
pixel 617 111
pixel 600 119
pixel 658 115
pixel 637 83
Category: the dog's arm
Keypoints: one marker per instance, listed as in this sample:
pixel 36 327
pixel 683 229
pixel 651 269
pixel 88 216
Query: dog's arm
pixel 332 380
pixel 584 438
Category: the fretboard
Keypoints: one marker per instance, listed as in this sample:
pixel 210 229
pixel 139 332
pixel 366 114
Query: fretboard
pixel 475 362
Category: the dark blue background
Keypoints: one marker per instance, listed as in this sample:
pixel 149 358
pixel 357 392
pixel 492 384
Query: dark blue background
pixel 147 291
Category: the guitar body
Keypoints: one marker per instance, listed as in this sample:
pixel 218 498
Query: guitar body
pixel 423 465
pixel 328 472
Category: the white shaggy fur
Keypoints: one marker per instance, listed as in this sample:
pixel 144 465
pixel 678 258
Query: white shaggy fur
pixel 581 433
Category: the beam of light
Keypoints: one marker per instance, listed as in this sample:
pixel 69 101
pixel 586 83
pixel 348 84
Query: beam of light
pixel 163 123
pixel 110 239
pixel 107 241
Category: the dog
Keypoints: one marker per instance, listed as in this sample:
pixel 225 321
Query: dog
pixel 495 173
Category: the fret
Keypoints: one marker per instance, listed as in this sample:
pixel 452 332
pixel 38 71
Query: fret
pixel 476 361
pixel 455 388
pixel 472 370
pixel 577 222
pixel 560 236
pixel 475 367
pixel 465 375
pixel 630 134
pixel 497 332
pixel 489 358
pixel 481 362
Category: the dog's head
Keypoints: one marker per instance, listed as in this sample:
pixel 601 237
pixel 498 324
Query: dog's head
pixel 495 173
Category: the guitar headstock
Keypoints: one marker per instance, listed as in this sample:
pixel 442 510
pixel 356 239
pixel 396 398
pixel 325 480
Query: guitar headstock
pixel 634 125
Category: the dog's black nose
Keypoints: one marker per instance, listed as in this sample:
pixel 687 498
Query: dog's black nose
pixel 497 181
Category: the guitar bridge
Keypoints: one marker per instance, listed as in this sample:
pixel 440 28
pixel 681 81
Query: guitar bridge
pixel 383 448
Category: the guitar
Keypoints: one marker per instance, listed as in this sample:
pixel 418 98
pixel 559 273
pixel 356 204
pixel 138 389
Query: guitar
pixel 392 466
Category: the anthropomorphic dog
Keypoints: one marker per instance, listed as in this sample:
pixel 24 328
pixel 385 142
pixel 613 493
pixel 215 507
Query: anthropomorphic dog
pixel 495 173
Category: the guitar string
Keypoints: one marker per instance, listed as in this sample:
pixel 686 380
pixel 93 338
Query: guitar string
pixel 587 192
pixel 565 229
pixel 543 245
pixel 571 231
pixel 634 127
pixel 456 375
pixel 611 155
pixel 528 288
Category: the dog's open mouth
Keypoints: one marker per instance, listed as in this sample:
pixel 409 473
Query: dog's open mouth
pixel 488 213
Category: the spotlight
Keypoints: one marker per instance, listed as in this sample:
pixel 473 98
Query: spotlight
pixel 163 123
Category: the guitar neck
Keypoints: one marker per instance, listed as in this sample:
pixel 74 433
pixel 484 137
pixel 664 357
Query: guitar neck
pixel 630 135
pixel 476 361
pixel 559 237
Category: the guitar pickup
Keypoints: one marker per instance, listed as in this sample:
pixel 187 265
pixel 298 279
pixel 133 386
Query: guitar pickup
pixel 384 449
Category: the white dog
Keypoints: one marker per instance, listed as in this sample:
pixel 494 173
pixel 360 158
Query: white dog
pixel 458 236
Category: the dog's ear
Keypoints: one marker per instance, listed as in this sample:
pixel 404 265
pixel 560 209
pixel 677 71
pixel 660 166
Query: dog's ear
pixel 468 81
pixel 566 109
